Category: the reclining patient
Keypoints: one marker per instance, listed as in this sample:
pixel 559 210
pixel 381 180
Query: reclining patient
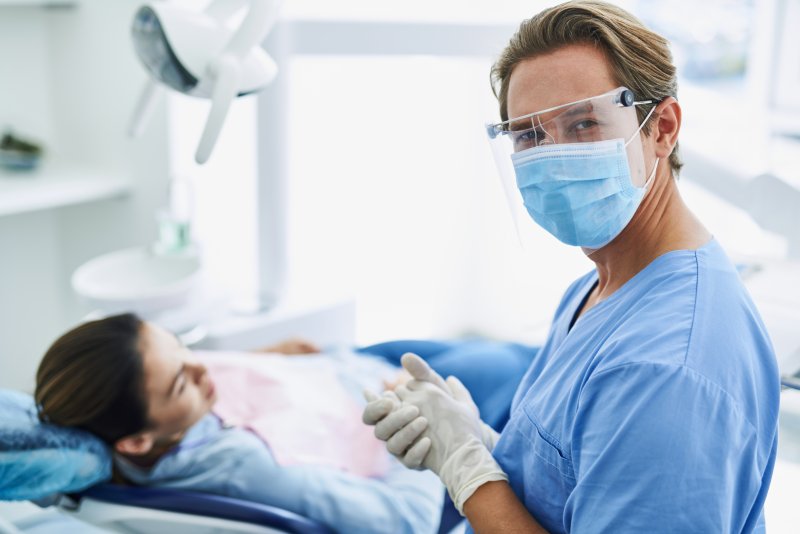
pixel 283 431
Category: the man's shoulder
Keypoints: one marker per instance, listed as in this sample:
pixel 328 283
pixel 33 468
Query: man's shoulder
pixel 698 317
pixel 680 299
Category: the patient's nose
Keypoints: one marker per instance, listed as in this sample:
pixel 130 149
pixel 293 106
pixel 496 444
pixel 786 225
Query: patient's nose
pixel 197 370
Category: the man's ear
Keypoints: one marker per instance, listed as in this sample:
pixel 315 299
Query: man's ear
pixel 136 444
pixel 666 127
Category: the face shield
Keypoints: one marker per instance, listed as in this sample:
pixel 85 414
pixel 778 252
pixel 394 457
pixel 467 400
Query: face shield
pixel 577 169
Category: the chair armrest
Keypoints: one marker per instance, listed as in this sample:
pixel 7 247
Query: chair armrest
pixel 206 505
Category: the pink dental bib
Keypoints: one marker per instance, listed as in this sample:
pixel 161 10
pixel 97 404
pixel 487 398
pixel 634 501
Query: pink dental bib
pixel 298 407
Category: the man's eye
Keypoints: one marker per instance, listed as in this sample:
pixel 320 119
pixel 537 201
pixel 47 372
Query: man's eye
pixel 584 124
pixel 527 138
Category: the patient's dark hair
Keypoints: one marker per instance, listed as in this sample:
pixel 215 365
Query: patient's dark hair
pixel 92 378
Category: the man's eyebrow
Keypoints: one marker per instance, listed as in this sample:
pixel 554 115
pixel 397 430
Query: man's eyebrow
pixel 175 380
pixel 519 124
pixel 515 125
pixel 577 110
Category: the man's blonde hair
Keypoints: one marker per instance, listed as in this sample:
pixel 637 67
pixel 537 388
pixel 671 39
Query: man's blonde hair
pixel 640 58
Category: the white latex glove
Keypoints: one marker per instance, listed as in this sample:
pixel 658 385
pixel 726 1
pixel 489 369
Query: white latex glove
pixel 402 428
pixel 422 372
pixel 399 426
pixel 457 452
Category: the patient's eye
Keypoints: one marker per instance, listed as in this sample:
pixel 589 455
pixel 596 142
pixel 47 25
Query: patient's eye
pixel 179 382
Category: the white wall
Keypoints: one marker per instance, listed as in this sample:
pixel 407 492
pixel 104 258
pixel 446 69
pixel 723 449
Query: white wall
pixel 224 189
pixel 69 78
pixel 27 242
pixel 24 72
pixel 394 197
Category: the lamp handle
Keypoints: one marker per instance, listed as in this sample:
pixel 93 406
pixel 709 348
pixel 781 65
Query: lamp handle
pixel 144 107
pixel 226 72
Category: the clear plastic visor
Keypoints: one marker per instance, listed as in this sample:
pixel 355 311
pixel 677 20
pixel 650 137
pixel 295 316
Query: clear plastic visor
pixel 608 116
pixel 605 117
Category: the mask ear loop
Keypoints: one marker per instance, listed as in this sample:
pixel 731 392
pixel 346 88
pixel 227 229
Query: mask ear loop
pixel 649 181
pixel 549 140
pixel 639 129
pixel 646 185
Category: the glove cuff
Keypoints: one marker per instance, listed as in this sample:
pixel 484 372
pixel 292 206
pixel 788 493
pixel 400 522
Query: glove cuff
pixel 466 492
pixel 467 469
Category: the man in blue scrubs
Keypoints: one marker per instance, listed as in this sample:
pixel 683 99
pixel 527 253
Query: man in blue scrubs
pixel 653 405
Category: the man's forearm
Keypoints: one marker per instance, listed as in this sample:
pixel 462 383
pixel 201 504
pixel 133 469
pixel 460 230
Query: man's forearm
pixel 495 508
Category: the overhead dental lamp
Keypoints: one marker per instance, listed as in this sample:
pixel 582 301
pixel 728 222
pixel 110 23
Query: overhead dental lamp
pixel 203 54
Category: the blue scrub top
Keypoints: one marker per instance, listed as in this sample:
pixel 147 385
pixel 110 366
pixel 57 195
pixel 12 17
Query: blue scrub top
pixel 656 412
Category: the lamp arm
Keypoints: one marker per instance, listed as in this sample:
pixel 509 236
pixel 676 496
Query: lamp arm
pixel 223 9
pixel 227 73
pixel 257 23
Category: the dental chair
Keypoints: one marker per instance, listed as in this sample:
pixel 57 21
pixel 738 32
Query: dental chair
pixel 67 470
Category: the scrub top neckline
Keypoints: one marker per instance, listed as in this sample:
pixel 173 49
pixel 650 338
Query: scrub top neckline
pixel 632 282
pixel 582 304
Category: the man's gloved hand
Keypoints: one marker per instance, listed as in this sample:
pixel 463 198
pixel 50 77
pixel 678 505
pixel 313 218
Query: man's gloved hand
pixel 399 426
pixel 422 372
pixel 409 446
pixel 457 451
pixel 463 465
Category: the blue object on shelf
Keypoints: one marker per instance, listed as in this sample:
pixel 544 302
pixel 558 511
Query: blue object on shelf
pixel 18 154
pixel 18 161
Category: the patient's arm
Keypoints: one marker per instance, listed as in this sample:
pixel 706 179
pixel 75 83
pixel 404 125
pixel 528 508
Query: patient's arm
pixel 236 463
pixel 400 378
pixel 403 502
pixel 291 347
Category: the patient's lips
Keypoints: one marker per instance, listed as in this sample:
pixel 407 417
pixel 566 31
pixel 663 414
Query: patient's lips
pixel 211 390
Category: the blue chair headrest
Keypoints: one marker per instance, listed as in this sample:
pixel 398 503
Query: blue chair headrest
pixel 38 460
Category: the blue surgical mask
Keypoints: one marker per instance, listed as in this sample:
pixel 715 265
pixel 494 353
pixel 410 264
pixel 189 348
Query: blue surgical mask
pixel 580 192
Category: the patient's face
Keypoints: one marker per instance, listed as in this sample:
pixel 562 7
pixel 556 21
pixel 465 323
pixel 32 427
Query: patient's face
pixel 179 390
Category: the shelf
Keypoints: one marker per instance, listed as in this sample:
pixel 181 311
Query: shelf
pixel 54 187
pixel 38 3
